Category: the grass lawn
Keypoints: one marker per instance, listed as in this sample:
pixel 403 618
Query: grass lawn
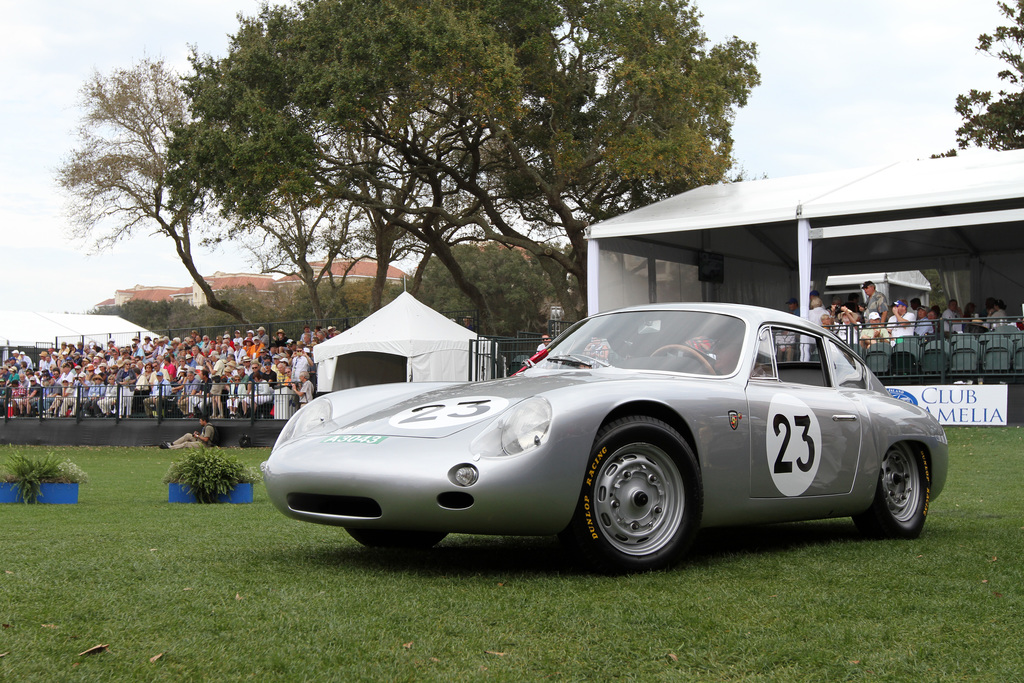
pixel 230 592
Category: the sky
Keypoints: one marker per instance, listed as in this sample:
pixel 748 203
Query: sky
pixel 843 85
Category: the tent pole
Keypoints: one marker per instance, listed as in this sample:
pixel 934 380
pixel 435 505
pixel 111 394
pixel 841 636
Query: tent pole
pixel 593 276
pixel 803 247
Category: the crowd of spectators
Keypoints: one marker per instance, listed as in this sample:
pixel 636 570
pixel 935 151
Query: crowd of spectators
pixel 874 320
pixel 234 376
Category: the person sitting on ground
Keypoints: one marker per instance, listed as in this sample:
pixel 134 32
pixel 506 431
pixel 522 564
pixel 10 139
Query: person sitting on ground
pixel 201 438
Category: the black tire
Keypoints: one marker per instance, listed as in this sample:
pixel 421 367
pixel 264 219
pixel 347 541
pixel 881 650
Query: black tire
pixel 388 538
pixel 641 501
pixel 902 495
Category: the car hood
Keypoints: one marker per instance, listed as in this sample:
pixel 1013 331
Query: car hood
pixel 445 411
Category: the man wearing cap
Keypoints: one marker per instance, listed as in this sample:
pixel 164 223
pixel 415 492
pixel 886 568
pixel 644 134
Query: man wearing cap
pixel 301 362
pixel 901 324
pixel 161 388
pixel 189 393
pixel 255 348
pixel 876 301
pixel 67 372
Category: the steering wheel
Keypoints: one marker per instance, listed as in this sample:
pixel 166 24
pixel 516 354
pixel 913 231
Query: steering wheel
pixel 688 351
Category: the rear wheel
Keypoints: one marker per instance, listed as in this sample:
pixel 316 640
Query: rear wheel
pixel 389 538
pixel 901 496
pixel 641 501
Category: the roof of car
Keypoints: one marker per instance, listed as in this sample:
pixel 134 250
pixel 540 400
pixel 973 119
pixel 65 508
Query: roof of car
pixel 754 315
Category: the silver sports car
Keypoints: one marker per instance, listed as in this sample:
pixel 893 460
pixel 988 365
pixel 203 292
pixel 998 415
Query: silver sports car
pixel 631 431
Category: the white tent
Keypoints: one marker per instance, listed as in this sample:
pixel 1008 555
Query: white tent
pixel 782 237
pixel 405 341
pixel 27 328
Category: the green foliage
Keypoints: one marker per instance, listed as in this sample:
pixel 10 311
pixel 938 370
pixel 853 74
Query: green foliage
pixel 513 282
pixel 29 472
pixel 992 120
pixel 520 122
pixel 209 473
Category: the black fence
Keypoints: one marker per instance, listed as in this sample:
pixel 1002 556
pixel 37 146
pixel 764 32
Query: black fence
pixel 232 400
pixel 492 357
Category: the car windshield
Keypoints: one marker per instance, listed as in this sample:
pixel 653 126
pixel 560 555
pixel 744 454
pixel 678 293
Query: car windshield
pixel 673 341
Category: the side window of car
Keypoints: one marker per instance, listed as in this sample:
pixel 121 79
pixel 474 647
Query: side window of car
pixel 805 362
pixel 846 370
pixel 764 359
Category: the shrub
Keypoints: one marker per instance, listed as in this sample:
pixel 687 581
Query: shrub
pixel 209 473
pixel 30 473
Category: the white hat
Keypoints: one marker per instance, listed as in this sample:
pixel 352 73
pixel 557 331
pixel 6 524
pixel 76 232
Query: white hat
pixel 873 315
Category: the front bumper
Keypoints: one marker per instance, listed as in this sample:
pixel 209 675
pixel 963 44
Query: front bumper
pixel 405 483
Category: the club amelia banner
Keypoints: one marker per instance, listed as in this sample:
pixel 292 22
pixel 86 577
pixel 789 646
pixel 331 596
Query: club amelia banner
pixel 959 404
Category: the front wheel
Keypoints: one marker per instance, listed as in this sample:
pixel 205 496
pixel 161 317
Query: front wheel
pixel 641 501
pixel 389 538
pixel 901 496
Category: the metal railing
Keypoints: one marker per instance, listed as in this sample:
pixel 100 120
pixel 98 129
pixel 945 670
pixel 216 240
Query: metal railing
pixel 251 401
pixel 953 350
pixel 492 357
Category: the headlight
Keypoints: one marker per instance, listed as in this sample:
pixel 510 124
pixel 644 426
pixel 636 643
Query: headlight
pixel 310 418
pixel 525 426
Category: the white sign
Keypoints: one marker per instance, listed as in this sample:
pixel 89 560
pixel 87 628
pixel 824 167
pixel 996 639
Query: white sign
pixel 959 404
pixel 793 444
pixel 451 412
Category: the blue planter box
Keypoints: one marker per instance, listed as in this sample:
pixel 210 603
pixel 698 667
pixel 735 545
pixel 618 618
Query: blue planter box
pixel 53 494
pixel 179 493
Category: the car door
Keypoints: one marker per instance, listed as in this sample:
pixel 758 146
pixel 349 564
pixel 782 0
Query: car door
pixel 805 432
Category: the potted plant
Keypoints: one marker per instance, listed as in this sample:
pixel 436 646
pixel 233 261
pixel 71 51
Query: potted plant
pixel 40 479
pixel 210 475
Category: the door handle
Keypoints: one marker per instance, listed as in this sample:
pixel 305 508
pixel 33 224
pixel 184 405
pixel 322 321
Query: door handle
pixel 844 418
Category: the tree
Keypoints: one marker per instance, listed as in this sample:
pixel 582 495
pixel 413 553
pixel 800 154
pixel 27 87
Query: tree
pixel 117 178
pixel 291 239
pixel 511 279
pixel 518 122
pixel 997 121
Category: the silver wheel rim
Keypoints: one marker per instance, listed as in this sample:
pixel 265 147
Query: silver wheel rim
pixel 639 499
pixel 901 483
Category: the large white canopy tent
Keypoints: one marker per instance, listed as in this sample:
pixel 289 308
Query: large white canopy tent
pixel 961 215
pixel 405 341
pixel 29 328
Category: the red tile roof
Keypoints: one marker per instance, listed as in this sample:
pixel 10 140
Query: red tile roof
pixel 222 281
pixel 361 269
pixel 262 282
